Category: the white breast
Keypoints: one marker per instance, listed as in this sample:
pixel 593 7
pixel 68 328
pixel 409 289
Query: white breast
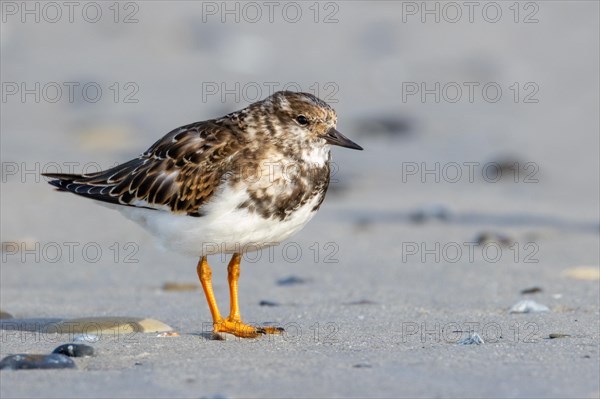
pixel 224 228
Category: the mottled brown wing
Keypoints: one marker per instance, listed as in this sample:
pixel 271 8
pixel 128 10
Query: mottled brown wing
pixel 181 171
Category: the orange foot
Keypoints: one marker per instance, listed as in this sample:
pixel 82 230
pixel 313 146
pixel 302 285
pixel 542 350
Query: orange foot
pixel 238 328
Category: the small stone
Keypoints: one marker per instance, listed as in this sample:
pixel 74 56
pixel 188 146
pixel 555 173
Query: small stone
pixel 4 315
pixel 292 280
pixel 169 334
pixel 86 338
pixel 583 273
pixel 532 290
pixel 111 325
pixel 473 339
pixel 268 303
pixel 170 286
pixel 508 166
pixel 25 361
pixel 488 237
pixel 429 212
pixel 75 350
pixel 558 335
pixel 528 306
pixel 362 366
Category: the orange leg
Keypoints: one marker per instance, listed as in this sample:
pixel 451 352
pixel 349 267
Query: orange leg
pixel 232 324
pixel 205 275
pixel 233 275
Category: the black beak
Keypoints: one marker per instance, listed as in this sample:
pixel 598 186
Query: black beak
pixel 334 137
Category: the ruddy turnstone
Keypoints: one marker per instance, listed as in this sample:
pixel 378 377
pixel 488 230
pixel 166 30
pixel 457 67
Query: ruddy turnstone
pixel 229 185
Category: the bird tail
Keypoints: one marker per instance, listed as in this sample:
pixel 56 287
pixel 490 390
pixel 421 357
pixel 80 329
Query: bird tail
pixel 95 185
pixel 61 180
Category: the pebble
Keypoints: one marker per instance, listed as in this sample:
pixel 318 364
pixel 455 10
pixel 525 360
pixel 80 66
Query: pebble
pixel 509 167
pixel 531 290
pixel 430 212
pixel 86 338
pixel 4 315
pixel 558 335
pixel 362 366
pixel 528 306
pixel 25 361
pixel 292 280
pixel 583 273
pixel 473 339
pixel 268 303
pixel 170 286
pixel 487 237
pixel 169 334
pixel 121 325
pixel 75 350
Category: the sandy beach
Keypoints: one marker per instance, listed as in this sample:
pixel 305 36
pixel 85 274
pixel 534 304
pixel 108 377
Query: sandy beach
pixel 479 187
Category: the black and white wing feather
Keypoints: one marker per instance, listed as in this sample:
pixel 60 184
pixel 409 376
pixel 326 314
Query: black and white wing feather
pixel 180 172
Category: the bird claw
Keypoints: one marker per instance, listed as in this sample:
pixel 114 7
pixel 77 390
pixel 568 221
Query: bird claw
pixel 242 330
pixel 273 330
pixel 237 328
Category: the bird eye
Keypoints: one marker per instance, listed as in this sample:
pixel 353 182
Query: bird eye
pixel 301 119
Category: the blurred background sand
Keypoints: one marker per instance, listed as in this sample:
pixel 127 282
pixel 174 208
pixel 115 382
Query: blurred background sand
pixel 178 62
